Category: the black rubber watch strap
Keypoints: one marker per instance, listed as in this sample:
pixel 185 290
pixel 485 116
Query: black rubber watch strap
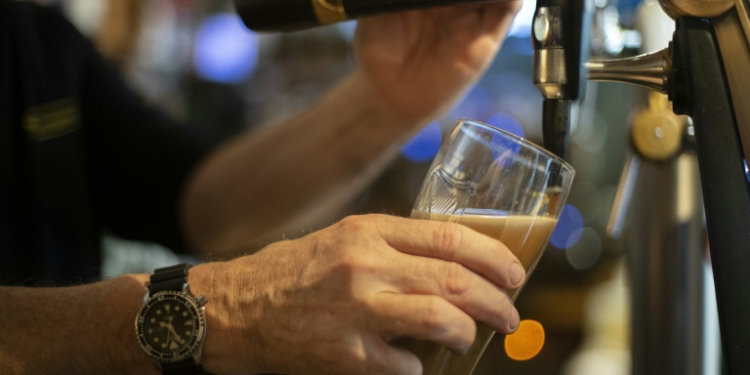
pixel 168 278
pixel 186 367
pixel 172 279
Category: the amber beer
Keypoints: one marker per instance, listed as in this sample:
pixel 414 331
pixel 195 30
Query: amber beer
pixel 526 237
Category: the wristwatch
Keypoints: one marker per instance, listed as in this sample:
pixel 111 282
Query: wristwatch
pixel 171 325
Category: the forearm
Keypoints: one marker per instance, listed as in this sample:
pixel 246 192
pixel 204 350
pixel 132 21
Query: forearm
pixel 279 177
pixel 90 329
pixel 86 329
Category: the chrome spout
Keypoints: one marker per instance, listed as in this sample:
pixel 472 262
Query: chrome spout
pixel 651 70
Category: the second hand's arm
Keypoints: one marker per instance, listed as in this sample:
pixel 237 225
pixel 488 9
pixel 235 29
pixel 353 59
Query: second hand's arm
pixel 281 177
pixel 413 66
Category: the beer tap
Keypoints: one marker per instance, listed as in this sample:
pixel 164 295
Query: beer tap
pixel 704 71
pixel 558 29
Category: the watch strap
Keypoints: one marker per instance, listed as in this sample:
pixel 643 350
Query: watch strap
pixel 186 367
pixel 168 278
pixel 172 279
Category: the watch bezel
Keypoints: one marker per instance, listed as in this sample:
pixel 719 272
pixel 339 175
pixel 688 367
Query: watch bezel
pixel 188 352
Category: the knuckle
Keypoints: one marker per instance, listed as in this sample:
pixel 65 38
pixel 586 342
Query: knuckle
pixel 342 355
pixel 434 316
pixel 448 238
pixel 354 247
pixel 457 280
pixel 500 310
pixel 353 224
pixel 347 239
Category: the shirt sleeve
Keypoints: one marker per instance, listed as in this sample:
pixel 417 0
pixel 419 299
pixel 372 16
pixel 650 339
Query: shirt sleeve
pixel 139 159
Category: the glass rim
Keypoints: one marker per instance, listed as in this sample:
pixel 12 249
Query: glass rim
pixel 520 140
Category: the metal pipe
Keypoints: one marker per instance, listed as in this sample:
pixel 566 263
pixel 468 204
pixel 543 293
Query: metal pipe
pixel 666 264
pixel 650 70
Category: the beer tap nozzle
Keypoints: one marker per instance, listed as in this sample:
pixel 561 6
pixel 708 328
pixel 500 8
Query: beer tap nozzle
pixel 559 38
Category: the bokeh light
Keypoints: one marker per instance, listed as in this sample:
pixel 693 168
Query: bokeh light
pixel 590 133
pixel 425 145
pixel 569 228
pixel 521 27
pixel 225 50
pixel 586 252
pixel 589 198
pixel 477 104
pixel 506 122
pixel 526 342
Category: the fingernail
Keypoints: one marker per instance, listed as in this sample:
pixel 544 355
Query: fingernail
pixel 516 274
pixel 515 320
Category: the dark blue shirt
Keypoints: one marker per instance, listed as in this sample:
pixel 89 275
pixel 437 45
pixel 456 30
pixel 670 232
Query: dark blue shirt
pixel 79 153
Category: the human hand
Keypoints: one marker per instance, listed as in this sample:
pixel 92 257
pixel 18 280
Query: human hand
pixel 419 62
pixel 333 302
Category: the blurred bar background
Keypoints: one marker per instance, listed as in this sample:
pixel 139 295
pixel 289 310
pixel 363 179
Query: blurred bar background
pixel 195 59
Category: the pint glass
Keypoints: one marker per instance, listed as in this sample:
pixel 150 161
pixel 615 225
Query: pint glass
pixel 502 186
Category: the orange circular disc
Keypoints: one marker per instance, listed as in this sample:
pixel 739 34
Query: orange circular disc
pixel 526 342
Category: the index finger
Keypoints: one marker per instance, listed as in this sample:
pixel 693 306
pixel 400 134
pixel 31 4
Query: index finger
pixel 455 243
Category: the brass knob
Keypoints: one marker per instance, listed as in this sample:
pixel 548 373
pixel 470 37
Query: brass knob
pixel 657 131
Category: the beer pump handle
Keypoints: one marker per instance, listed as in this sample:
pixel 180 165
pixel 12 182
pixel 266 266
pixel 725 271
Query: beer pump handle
pixel 703 93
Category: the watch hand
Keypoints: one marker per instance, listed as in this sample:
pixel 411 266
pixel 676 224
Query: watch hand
pixel 177 337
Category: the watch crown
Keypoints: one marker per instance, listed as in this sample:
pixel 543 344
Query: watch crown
pixel 201 301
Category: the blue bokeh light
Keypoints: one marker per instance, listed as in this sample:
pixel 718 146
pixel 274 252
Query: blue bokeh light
pixel 569 228
pixel 225 50
pixel 506 122
pixel 425 145
pixel 476 104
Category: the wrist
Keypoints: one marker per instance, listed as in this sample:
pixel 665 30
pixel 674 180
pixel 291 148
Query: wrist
pixel 206 346
pixel 224 351
pixel 131 288
pixel 382 106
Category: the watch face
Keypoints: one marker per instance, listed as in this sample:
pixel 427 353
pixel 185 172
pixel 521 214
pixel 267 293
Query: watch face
pixel 170 326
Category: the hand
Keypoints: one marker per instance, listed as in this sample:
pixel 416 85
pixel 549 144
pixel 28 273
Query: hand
pixel 333 302
pixel 420 62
